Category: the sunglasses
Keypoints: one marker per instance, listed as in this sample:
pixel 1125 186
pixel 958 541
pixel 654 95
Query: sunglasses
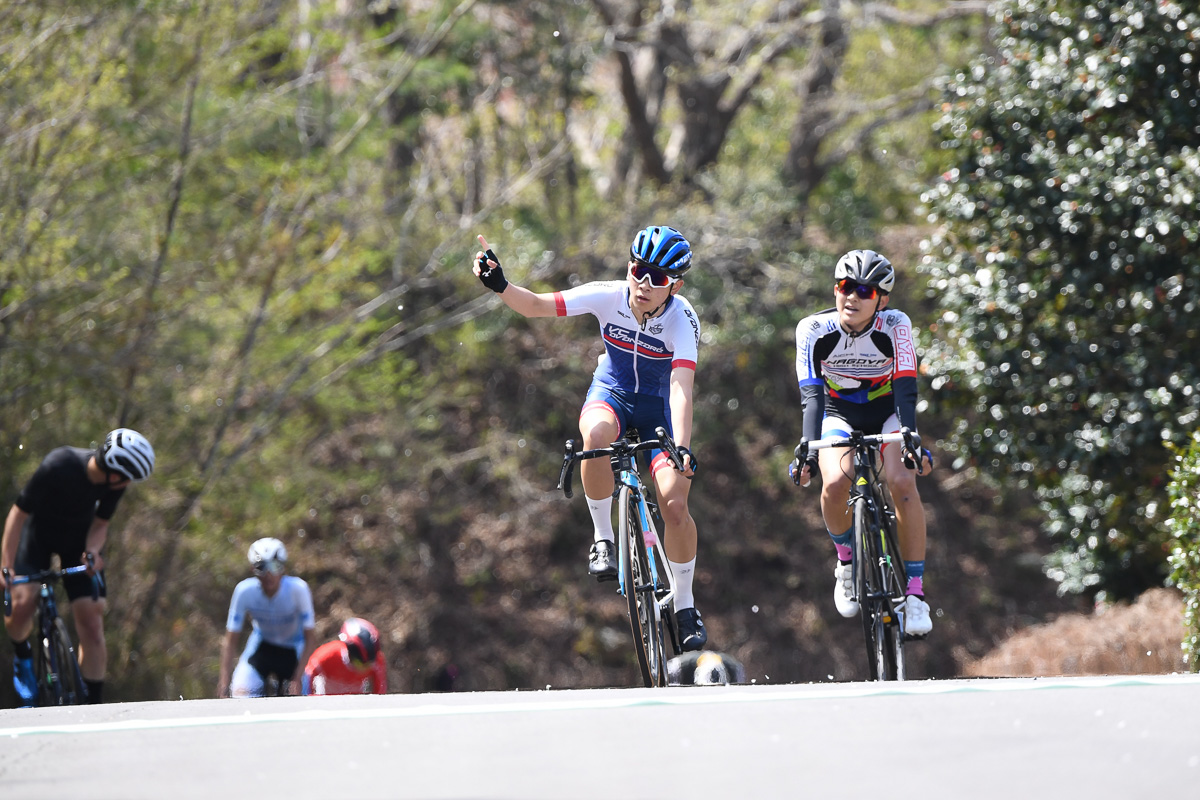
pixel 849 287
pixel 657 278
pixel 272 567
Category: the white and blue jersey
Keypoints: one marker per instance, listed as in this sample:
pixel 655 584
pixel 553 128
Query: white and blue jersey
pixel 638 358
pixel 280 620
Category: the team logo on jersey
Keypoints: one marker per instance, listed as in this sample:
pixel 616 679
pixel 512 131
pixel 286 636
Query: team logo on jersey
pixel 695 325
pixel 656 328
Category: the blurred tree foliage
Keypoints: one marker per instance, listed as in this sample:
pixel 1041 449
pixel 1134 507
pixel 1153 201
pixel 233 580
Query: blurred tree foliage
pixel 1184 527
pixel 1067 266
pixel 244 229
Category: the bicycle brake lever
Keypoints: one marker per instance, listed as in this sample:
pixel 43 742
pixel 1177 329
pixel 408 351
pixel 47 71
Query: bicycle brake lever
pixel 668 444
pixel 564 475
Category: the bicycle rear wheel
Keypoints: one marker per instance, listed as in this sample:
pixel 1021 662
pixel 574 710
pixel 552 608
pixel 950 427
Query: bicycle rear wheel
pixel 639 594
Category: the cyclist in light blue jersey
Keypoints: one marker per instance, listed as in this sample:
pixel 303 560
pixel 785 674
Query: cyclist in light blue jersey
pixel 644 380
pixel 280 610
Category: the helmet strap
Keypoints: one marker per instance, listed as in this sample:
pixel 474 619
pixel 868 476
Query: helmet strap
pixel 870 323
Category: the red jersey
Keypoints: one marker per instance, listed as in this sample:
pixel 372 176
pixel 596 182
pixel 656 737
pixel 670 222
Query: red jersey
pixel 329 672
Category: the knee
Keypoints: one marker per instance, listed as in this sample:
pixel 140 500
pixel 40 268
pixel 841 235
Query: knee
pixel 904 489
pixel 674 510
pixel 835 489
pixel 90 628
pixel 598 434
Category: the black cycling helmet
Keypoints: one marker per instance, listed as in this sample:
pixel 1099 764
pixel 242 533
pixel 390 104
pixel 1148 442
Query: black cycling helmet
pixel 866 267
pixel 663 248
pixel 361 639
pixel 127 453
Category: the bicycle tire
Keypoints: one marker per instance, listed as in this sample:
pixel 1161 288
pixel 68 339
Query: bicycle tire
pixel 630 531
pixel 862 586
pixel 641 617
pixel 70 679
pixel 41 667
pixel 651 614
pixel 881 627
pixel 897 583
pixel 46 667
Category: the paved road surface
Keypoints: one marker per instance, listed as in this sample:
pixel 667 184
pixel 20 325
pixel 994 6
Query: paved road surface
pixel 1119 737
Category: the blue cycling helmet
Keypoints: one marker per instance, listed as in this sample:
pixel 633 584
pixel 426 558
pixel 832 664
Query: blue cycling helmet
pixel 663 248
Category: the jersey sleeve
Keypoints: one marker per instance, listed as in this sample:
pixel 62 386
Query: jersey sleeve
pixel 108 504
pixel 237 613
pixel 35 489
pixel 809 377
pixel 904 370
pixel 308 619
pixel 808 368
pixel 590 298
pixel 687 339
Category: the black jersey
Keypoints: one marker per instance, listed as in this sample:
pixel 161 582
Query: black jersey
pixel 60 499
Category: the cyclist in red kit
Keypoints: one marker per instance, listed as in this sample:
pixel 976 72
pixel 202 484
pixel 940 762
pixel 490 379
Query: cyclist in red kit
pixel 350 664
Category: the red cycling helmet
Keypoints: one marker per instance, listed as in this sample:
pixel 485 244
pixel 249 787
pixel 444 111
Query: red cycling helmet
pixel 362 640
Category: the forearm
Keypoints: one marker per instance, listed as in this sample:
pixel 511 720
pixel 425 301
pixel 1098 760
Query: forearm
pixel 905 390
pixel 681 406
pixel 310 639
pixel 97 535
pixel 527 303
pixel 812 409
pixel 227 657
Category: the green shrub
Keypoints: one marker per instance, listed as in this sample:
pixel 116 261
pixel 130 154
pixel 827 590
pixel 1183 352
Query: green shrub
pixel 1184 525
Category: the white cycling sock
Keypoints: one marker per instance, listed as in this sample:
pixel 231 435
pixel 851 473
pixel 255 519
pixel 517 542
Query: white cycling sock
pixel 602 519
pixel 683 584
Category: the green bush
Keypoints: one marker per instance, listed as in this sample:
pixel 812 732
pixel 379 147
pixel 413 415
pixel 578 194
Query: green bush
pixel 1065 264
pixel 1184 525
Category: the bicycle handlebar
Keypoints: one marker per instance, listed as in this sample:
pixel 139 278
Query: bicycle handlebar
pixel 910 439
pixel 618 448
pixel 11 580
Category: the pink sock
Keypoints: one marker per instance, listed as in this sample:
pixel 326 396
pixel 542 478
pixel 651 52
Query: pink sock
pixel 844 552
pixel 915 586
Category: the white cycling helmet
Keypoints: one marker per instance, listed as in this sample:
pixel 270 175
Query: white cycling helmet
pixel 866 267
pixel 268 555
pixel 127 453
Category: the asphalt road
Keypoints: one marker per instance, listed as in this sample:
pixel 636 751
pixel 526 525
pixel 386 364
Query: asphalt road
pixel 1120 737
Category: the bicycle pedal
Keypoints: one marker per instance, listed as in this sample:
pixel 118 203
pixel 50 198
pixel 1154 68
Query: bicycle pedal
pixel 915 637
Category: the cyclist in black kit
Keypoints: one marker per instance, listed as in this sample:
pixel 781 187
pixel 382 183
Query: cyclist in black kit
pixel 65 508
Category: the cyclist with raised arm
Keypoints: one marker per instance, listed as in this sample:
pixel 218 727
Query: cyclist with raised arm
pixel 857 368
pixel 353 663
pixel 644 380
pixel 280 610
pixel 65 508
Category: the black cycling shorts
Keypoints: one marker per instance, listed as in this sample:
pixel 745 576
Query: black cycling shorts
pixel 271 659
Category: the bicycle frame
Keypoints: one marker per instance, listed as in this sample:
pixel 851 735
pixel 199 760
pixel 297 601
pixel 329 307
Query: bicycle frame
pixel 878 567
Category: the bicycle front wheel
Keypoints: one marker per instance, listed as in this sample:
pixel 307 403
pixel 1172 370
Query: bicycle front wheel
pixel 73 690
pixel 862 589
pixel 644 621
pixel 879 623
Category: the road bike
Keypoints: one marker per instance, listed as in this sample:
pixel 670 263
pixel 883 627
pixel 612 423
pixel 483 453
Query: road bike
pixel 60 683
pixel 644 575
pixel 877 565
